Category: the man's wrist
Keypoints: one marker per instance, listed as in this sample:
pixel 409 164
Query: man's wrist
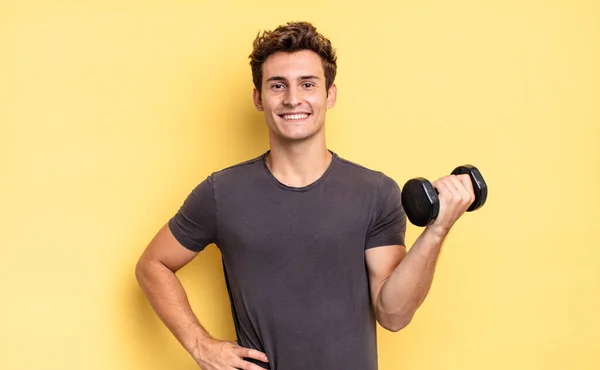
pixel 437 231
pixel 196 344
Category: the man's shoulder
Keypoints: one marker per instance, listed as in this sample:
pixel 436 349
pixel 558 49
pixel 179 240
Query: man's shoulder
pixel 240 168
pixel 361 172
pixel 357 167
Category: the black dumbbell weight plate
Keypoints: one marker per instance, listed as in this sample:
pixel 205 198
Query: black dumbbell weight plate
pixel 420 201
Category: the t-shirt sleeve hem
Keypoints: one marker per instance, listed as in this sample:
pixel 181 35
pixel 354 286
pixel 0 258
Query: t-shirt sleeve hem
pixel 383 241
pixel 185 242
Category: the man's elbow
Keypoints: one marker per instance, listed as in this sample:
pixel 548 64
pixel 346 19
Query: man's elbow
pixel 397 323
pixel 143 270
pixel 139 270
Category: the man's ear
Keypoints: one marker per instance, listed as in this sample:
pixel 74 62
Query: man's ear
pixel 257 100
pixel 331 96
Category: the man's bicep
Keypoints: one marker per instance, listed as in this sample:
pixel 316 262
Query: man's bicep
pixel 381 262
pixel 166 249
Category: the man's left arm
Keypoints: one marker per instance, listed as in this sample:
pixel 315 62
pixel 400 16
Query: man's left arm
pixel 400 281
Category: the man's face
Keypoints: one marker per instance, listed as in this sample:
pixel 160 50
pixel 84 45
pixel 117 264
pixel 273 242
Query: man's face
pixel 294 96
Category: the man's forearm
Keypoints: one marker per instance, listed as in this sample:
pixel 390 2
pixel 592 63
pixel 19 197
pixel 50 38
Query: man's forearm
pixel 168 298
pixel 406 288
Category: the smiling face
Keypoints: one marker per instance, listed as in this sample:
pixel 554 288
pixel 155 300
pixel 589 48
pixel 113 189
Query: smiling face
pixel 294 97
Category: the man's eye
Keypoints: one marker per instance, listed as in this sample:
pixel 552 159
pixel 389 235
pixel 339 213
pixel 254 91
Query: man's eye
pixel 308 84
pixel 277 86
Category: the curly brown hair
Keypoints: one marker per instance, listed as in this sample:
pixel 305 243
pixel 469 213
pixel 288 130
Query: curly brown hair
pixel 293 36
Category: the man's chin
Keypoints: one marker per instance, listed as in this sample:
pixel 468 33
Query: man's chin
pixel 296 137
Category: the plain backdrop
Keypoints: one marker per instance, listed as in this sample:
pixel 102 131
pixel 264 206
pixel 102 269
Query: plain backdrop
pixel 112 111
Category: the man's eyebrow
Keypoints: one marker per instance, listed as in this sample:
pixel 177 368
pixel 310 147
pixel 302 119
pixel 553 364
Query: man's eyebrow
pixel 280 78
pixel 276 78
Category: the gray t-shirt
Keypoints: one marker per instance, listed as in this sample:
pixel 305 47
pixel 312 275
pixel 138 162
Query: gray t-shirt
pixel 294 258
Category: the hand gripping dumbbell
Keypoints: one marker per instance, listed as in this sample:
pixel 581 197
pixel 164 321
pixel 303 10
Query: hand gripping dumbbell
pixel 420 199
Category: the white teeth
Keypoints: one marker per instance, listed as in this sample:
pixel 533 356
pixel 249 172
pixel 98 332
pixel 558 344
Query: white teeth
pixel 295 116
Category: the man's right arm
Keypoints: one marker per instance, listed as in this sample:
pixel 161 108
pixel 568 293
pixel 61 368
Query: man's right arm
pixel 155 272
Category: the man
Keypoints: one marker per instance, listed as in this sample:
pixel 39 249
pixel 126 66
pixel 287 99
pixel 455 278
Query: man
pixel 312 244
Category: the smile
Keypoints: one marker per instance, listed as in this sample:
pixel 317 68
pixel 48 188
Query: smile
pixel 294 117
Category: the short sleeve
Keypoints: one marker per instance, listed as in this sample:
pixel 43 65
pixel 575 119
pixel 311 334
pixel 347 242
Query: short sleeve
pixel 389 225
pixel 195 223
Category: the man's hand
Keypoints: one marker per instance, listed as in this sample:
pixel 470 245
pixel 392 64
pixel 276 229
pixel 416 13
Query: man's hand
pixel 223 355
pixel 456 194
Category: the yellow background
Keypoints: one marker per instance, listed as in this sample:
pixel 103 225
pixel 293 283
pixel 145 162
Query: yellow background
pixel 112 111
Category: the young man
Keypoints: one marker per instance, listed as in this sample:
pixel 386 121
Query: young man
pixel 312 244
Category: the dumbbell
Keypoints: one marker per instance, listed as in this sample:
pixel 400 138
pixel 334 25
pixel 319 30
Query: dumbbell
pixel 420 199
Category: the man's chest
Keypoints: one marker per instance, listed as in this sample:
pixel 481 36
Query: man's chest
pixel 293 223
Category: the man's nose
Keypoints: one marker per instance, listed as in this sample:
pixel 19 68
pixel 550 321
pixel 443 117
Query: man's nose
pixel 292 98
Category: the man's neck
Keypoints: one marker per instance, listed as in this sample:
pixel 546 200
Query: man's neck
pixel 299 164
